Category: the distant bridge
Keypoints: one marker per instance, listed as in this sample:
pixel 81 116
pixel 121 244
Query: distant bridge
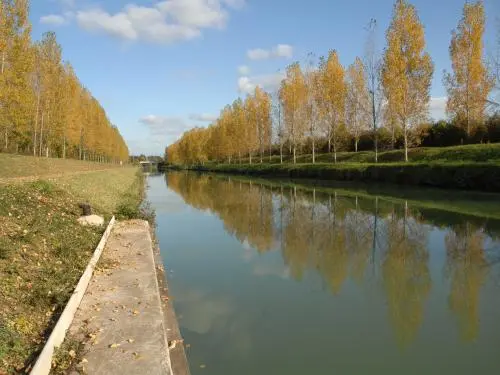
pixel 148 165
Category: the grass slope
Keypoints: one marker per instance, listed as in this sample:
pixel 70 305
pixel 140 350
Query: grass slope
pixel 472 153
pixel 12 166
pixel 43 251
pixel 465 176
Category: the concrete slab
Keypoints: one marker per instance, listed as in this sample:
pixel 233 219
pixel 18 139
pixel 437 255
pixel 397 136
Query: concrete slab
pixel 120 319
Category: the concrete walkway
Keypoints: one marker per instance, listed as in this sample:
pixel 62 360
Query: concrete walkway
pixel 120 319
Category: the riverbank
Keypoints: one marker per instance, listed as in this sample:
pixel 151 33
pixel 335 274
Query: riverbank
pixel 470 167
pixel 43 250
pixel 465 176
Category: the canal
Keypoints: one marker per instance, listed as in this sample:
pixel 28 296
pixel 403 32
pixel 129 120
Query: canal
pixel 272 278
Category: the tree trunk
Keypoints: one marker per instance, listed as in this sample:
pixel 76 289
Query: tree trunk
pixel 64 147
pixel 6 138
pixel 281 153
pixel 36 123
pixel 41 135
pixel 250 157
pixel 393 137
pixel 374 118
pixel 3 61
pixel 314 153
pixel 356 145
pixel 406 142
pixel 294 155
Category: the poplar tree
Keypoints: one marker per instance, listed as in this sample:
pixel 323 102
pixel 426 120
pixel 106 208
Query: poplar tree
pixel 293 94
pixel 358 101
pixel 334 91
pixel 407 70
pixel 470 83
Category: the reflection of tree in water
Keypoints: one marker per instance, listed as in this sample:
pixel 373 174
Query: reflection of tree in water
pixel 333 260
pixel 466 267
pixel 245 208
pixel 338 236
pixel 359 240
pixel 296 235
pixel 405 273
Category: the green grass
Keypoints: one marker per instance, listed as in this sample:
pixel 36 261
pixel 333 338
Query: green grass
pixel 452 175
pixel 105 190
pixel 472 153
pixel 12 166
pixel 43 251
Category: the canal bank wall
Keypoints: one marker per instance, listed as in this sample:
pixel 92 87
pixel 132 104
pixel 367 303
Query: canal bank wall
pixel 176 345
pixel 463 176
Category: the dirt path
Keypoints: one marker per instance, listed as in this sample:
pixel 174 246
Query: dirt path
pixel 121 320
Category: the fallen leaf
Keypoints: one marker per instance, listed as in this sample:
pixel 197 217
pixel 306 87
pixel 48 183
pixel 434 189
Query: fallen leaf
pixel 72 353
pixel 131 340
pixel 114 345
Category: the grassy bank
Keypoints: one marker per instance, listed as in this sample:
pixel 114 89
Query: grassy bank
pixel 471 153
pixel 16 166
pixel 43 250
pixel 465 176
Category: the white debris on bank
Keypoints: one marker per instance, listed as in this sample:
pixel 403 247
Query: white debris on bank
pixel 94 220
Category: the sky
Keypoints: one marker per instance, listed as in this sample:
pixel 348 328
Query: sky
pixel 160 68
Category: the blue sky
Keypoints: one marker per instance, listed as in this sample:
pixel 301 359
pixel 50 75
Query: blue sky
pixel 162 67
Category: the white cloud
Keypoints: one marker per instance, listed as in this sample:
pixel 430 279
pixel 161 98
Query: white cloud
pixel 437 108
pixel 258 54
pixel 281 50
pixel 53 19
pixel 165 125
pixel 206 117
pixel 269 82
pixel 162 130
pixel 163 22
pixel 243 70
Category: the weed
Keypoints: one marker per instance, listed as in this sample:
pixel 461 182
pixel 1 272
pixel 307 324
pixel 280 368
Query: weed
pixel 66 357
pixel 43 252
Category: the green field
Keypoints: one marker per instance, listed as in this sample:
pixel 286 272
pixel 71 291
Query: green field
pixel 43 250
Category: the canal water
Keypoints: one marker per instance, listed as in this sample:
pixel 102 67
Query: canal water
pixel 272 278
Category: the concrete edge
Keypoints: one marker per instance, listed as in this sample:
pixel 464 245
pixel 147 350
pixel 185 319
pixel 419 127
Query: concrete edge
pixel 43 364
pixel 178 358
pixel 165 331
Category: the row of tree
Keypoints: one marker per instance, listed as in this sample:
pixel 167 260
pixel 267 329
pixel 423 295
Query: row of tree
pixel 44 109
pixel 342 237
pixel 326 102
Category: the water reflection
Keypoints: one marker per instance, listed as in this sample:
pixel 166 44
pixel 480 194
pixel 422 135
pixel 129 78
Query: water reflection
pixel 373 241
pixel 467 269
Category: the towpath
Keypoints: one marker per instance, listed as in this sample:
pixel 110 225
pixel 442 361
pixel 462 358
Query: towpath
pixel 121 320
